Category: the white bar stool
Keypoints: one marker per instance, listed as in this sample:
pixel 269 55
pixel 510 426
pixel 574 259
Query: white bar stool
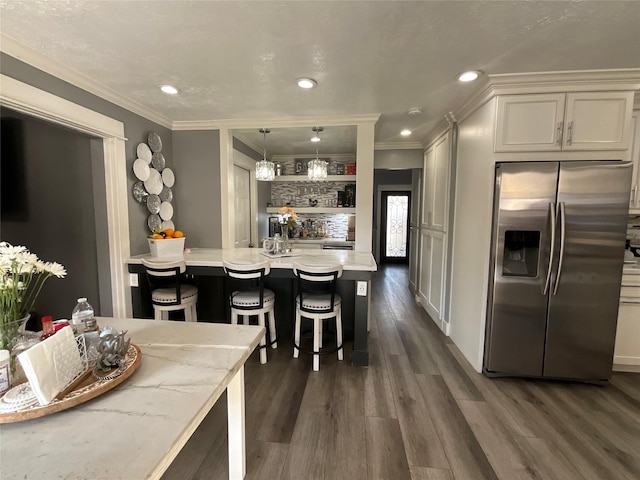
pixel 168 293
pixel 317 300
pixel 251 298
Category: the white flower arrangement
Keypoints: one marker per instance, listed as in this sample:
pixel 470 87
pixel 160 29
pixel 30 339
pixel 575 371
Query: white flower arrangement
pixel 22 276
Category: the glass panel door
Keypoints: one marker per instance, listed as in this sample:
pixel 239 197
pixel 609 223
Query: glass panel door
pixel 395 226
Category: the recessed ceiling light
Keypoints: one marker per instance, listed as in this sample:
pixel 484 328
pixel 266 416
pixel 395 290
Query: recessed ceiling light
pixel 169 89
pixel 405 133
pixel 469 76
pixel 307 83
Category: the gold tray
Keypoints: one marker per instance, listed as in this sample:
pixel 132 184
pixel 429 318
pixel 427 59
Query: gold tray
pixel 83 389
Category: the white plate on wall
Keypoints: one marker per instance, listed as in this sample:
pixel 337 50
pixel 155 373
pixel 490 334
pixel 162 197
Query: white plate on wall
pixel 141 169
pixel 166 211
pixel 154 141
pixel 154 183
pixel 144 152
pixel 168 224
pixel 168 178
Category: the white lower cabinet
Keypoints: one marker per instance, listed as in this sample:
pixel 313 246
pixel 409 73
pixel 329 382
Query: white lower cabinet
pixel 414 239
pixel 432 269
pixel 627 348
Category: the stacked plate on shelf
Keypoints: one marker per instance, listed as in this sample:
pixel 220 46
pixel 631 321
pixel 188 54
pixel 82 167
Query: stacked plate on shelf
pixel 153 188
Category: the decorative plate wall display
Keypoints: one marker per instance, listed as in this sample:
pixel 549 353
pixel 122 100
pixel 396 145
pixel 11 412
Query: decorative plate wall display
pixel 154 142
pixel 153 190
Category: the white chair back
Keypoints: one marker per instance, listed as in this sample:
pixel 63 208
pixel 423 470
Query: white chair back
pixel 246 271
pixel 164 269
pixel 314 273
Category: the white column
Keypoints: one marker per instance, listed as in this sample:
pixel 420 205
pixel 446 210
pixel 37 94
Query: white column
pixel 235 414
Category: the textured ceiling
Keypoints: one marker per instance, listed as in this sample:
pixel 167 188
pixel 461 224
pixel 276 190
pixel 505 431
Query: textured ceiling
pixel 239 60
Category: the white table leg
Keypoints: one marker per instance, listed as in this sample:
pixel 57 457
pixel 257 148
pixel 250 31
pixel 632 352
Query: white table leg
pixel 235 414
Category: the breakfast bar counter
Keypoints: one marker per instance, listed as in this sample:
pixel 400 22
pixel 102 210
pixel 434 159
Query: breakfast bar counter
pixel 135 430
pixel 207 262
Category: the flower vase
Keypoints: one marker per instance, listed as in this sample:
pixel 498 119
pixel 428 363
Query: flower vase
pixel 10 333
pixel 284 230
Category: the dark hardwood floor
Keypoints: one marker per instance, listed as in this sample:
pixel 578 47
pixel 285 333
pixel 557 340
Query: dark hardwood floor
pixel 419 411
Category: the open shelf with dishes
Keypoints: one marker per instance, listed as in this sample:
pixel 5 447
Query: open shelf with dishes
pixel 346 210
pixel 304 178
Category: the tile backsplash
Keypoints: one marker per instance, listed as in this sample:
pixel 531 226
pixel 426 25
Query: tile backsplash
pixel 633 230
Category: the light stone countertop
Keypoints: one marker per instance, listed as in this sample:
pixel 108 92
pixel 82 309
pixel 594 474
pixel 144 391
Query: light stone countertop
pixel 135 430
pixel 213 257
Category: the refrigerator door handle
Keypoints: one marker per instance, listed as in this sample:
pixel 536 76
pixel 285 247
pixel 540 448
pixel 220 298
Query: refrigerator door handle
pixel 562 237
pixel 552 221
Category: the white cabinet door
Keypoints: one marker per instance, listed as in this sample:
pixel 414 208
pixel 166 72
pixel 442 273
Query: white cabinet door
pixel 435 291
pixel 440 187
pixel 427 186
pixel 528 123
pixel 424 270
pixel 627 347
pixel 436 184
pixel 598 121
pixel 634 200
pixel 564 121
pixel 414 258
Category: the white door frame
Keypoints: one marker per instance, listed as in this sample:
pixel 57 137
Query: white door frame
pixel 248 163
pixel 32 101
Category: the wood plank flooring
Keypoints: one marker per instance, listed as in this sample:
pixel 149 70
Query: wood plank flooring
pixel 418 412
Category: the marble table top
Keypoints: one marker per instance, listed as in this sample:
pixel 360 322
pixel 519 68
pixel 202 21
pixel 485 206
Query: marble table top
pixel 213 257
pixel 135 430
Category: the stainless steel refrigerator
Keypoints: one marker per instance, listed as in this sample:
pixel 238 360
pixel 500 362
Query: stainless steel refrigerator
pixel 557 252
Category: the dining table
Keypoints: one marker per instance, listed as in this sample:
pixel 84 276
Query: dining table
pixel 357 270
pixel 135 430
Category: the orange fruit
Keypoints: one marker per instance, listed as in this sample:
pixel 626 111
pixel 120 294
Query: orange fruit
pixel 178 234
pixel 169 232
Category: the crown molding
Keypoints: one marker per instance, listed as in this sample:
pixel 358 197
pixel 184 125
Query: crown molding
pixel 249 142
pixel 397 146
pixel 16 50
pixel 279 122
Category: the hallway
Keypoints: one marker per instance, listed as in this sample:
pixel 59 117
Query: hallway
pixel 419 411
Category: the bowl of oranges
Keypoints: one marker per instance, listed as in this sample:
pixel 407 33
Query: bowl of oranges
pixel 166 243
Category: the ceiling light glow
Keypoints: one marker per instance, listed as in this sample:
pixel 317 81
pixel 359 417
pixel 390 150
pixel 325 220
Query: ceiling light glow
pixel 405 132
pixel 469 76
pixel 307 83
pixel 169 89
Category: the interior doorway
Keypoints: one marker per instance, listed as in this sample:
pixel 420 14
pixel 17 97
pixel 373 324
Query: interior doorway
pixel 242 206
pixel 394 226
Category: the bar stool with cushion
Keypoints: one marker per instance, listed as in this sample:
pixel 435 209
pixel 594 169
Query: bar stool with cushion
pixel 317 300
pixel 168 291
pixel 248 297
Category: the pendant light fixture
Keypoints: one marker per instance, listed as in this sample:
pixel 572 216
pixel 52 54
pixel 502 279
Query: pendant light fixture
pixel 317 169
pixel 265 170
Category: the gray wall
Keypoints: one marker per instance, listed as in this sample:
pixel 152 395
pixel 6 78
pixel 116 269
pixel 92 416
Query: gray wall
pixel 136 130
pixel 398 159
pixel 49 200
pixel 196 190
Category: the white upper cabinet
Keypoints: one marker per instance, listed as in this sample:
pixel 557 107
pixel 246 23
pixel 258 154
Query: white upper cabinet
pixel 564 121
pixel 634 201
pixel 436 184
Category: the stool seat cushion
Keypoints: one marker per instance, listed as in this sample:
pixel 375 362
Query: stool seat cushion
pixel 251 298
pixel 319 302
pixel 188 293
